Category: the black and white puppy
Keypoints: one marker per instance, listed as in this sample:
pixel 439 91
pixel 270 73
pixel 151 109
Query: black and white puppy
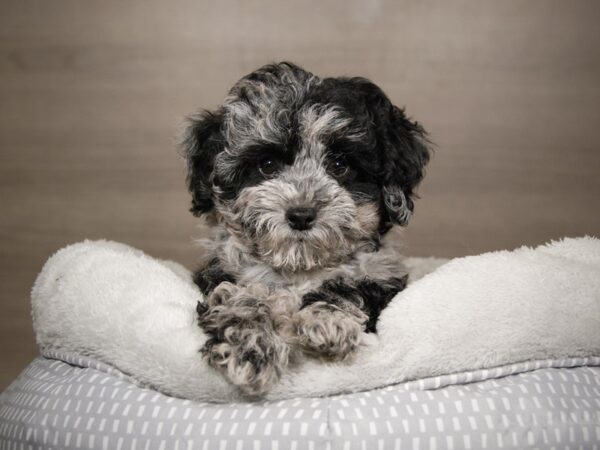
pixel 301 177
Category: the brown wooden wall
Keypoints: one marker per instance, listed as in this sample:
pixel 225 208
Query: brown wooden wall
pixel 92 94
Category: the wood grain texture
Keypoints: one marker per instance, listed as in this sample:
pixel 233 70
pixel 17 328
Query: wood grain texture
pixel 92 95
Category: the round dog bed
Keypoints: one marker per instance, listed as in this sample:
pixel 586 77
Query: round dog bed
pixel 493 351
pixel 72 402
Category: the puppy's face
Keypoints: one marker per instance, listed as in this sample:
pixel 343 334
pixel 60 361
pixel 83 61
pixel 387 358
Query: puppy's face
pixel 305 171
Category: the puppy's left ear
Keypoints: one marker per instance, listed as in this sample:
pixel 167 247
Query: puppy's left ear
pixel 203 140
pixel 406 151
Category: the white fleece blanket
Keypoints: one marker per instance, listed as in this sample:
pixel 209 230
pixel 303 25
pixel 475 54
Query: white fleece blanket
pixel 116 304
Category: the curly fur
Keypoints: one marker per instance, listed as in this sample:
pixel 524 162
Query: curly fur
pixel 335 146
pixel 245 324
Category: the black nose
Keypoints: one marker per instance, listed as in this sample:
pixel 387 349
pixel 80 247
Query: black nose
pixel 301 218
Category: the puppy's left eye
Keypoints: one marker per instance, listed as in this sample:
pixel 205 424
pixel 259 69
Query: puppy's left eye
pixel 269 167
pixel 339 168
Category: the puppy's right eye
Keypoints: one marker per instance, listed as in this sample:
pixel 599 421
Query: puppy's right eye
pixel 269 167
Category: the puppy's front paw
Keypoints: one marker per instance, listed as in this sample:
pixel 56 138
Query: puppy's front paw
pixel 326 331
pixel 222 294
pixel 243 343
pixel 253 368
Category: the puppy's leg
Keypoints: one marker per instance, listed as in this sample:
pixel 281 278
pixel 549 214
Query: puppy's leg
pixel 244 342
pixel 330 327
pixel 332 318
pixel 211 275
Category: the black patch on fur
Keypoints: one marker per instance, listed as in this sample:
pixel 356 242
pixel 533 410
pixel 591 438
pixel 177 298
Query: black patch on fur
pixel 371 296
pixel 247 173
pixel 392 154
pixel 209 277
pixel 377 295
pixel 395 150
pixel 335 292
pixel 201 308
pixel 203 141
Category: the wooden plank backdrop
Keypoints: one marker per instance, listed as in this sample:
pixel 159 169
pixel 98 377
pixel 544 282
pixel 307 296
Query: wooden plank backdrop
pixel 92 95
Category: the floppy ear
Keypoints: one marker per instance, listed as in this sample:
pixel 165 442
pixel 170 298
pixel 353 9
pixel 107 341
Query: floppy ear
pixel 405 154
pixel 203 140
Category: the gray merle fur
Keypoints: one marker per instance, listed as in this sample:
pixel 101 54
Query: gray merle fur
pixel 287 140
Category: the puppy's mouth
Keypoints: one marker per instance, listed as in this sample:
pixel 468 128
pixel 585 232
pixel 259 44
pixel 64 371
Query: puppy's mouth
pixel 301 235
pixel 289 249
pixel 294 233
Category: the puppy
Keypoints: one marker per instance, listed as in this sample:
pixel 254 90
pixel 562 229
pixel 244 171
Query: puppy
pixel 300 177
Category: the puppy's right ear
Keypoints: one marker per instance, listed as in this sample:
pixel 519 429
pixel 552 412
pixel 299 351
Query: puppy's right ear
pixel 203 140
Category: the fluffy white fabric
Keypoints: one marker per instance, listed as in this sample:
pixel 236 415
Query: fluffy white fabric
pixel 114 303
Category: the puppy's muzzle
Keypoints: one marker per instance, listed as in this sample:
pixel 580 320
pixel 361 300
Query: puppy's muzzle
pixel 301 218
